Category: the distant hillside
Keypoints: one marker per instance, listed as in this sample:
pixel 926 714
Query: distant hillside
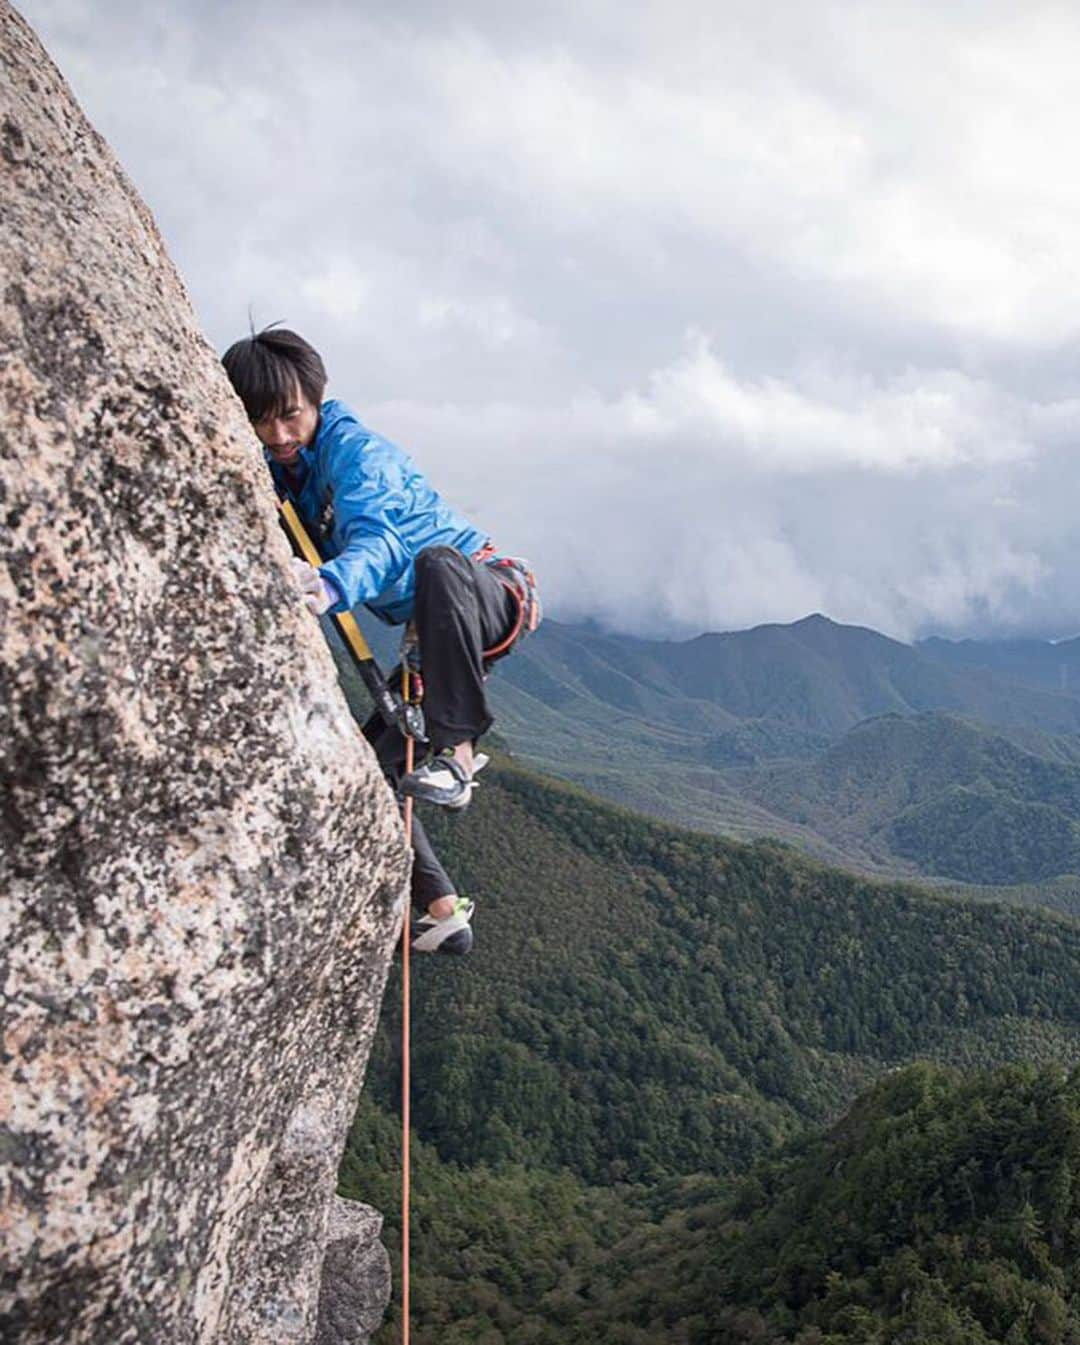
pixel 860 750
pixel 797 758
pixel 814 677
pixel 645 1001
pixel 1040 664
pixel 953 798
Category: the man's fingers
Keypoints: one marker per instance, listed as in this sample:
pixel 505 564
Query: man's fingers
pixel 306 576
pixel 322 601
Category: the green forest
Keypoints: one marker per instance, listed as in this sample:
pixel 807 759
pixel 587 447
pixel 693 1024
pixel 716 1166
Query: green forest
pixel 940 1210
pixel 625 1084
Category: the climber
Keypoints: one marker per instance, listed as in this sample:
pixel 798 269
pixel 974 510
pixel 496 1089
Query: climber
pixel 391 543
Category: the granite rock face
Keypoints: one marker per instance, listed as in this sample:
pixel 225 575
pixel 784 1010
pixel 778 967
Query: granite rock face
pixel 199 863
pixel 356 1276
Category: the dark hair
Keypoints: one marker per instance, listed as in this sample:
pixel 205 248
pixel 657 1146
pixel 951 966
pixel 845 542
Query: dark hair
pixel 266 367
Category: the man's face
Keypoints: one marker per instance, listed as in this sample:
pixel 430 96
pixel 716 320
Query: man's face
pixel 284 433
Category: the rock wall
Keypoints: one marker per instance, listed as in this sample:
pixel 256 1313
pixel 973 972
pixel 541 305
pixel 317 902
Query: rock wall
pixel 199 862
pixel 355 1289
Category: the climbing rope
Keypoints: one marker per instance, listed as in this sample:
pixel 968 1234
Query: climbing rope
pixel 408 718
pixel 405 1051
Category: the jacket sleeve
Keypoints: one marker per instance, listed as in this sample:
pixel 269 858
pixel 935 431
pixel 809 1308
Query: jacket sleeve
pixel 372 553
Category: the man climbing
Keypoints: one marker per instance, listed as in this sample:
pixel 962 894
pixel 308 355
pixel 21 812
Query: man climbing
pixel 391 543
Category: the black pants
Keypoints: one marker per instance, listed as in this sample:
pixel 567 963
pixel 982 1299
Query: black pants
pixel 429 879
pixel 461 609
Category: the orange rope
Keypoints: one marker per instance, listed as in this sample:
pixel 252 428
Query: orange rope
pixel 406 936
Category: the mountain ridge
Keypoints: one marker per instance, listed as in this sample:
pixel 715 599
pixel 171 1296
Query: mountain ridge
pixel 736 733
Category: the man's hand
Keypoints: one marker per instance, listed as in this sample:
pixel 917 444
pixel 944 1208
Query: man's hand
pixel 318 595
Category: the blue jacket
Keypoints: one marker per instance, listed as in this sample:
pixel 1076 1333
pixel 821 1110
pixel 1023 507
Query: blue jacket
pixel 370 512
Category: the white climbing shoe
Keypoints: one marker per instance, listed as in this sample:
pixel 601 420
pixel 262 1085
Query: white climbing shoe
pixel 451 934
pixel 443 780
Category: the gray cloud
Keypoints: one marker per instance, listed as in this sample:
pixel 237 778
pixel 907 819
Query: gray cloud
pixel 720 316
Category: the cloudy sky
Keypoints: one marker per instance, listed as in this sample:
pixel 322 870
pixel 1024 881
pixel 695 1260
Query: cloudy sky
pixel 720 312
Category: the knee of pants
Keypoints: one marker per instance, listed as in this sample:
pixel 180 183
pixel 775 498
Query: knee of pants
pixel 435 564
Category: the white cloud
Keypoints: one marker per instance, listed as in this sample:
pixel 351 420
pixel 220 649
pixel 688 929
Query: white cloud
pixel 499 225
pixel 342 290
pixel 706 500
pixel 820 422
pixel 492 319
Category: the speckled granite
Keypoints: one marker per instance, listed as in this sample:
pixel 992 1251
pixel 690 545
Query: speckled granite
pixel 199 862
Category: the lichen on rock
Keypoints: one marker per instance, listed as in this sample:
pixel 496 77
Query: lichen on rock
pixel 200 864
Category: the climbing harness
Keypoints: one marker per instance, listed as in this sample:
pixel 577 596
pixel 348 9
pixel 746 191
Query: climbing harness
pixel 405 713
pixel 516 575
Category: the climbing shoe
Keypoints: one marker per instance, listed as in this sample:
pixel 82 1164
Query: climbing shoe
pixel 443 780
pixel 451 934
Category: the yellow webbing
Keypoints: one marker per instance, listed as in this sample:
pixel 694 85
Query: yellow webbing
pixel 346 622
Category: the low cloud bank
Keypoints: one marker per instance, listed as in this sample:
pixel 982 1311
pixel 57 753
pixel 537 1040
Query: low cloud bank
pixel 723 315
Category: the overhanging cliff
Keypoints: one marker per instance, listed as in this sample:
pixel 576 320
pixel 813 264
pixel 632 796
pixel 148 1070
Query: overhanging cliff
pixel 200 863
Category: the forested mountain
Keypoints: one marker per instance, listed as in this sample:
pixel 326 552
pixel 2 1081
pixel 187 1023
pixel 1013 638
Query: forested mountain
pixel 645 1001
pixel 861 750
pixel 815 677
pixel 949 796
pixel 651 1012
pixel 940 1210
pixel 1050 666
pixel 620 1096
